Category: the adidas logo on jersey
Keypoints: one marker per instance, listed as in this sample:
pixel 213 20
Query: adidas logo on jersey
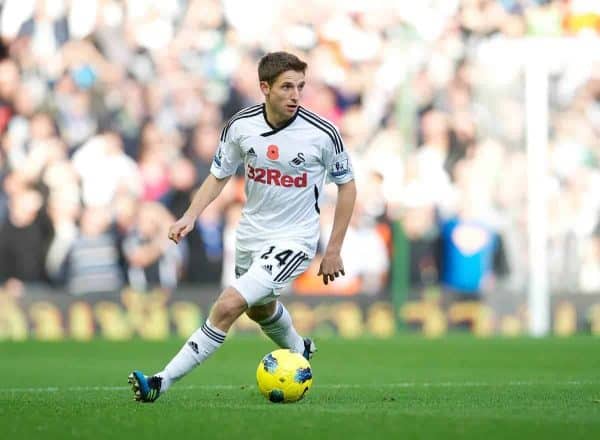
pixel 251 153
pixel 270 176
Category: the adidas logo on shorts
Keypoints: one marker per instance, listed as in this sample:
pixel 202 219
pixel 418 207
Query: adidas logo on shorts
pixel 268 268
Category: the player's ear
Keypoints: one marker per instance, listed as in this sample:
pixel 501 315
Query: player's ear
pixel 265 88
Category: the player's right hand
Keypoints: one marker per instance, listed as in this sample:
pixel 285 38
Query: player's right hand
pixel 181 228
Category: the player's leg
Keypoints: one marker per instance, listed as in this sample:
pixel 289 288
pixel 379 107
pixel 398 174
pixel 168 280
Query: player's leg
pixel 277 267
pixel 208 338
pixel 276 322
pixel 199 347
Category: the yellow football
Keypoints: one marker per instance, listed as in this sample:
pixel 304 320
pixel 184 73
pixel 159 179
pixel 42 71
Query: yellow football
pixel 284 376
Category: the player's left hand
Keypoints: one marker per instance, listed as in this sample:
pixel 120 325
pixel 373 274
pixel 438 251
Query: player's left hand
pixel 331 267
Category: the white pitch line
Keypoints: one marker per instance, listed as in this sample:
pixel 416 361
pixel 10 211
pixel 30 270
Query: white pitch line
pixel 55 389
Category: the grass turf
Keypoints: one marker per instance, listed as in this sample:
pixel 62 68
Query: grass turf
pixel 407 387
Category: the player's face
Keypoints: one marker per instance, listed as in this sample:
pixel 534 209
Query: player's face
pixel 283 97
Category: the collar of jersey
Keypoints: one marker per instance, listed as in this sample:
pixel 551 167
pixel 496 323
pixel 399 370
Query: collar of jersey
pixel 277 129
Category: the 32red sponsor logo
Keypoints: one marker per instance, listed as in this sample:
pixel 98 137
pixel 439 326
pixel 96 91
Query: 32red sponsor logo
pixel 270 176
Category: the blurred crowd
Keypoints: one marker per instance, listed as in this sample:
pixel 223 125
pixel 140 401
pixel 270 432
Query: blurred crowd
pixel 110 113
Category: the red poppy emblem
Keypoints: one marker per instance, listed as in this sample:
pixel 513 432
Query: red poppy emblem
pixel 273 152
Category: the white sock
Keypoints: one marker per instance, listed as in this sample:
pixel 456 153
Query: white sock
pixel 280 329
pixel 203 343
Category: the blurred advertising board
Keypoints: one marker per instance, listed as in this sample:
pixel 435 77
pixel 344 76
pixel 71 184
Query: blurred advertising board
pixel 44 314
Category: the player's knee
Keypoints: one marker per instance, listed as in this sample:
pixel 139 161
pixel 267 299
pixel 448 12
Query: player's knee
pixel 228 307
pixel 260 313
pixel 229 311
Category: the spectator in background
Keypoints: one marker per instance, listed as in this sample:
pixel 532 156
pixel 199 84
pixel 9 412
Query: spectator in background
pixel 152 162
pixel 46 31
pixel 42 153
pixel 472 253
pixel 182 181
pixel 153 261
pixel 63 212
pixel 419 225
pixel 75 113
pixel 125 208
pixel 435 147
pixel 125 114
pixel 205 245
pixel 472 249
pixel 366 252
pixel 92 264
pixel 24 237
pixel 104 169
pixel 203 142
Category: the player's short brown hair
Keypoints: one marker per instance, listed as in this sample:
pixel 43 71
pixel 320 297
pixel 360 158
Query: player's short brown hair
pixel 275 63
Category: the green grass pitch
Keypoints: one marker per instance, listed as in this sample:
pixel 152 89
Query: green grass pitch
pixel 403 388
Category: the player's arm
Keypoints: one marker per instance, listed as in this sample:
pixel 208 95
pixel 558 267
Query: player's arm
pixel 332 265
pixel 208 191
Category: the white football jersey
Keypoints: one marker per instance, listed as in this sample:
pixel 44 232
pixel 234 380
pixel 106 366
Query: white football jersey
pixel 285 170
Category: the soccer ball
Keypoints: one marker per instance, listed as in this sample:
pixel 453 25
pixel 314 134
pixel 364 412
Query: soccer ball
pixel 284 376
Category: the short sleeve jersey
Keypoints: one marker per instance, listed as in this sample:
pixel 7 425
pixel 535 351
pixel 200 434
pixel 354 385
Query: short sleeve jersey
pixel 285 170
